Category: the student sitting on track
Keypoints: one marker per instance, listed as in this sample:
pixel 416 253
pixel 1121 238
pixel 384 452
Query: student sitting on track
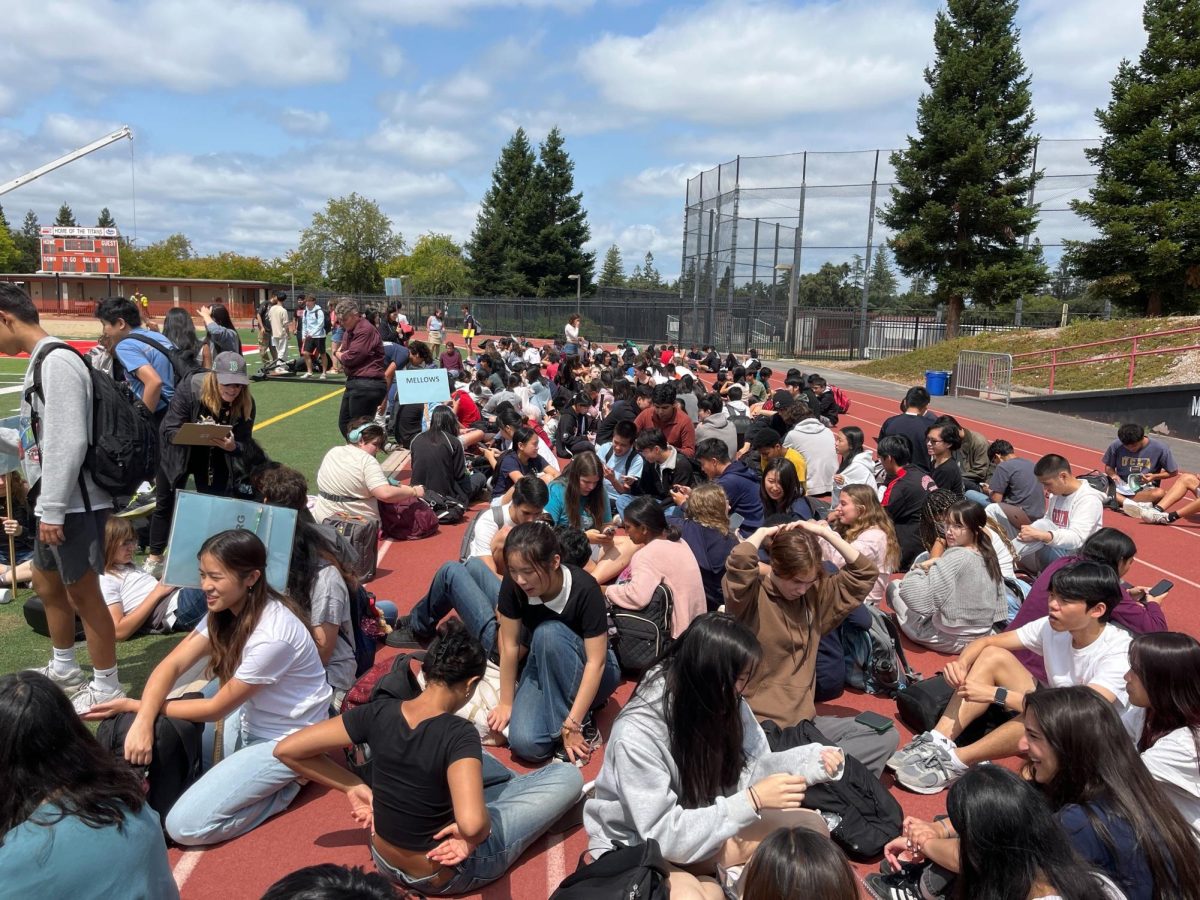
pixel 14 524
pixel 864 524
pixel 781 493
pixel 1164 715
pixel 443 817
pixel 686 764
pixel 351 481
pixel 527 500
pixel 522 460
pixel 796 862
pixel 1133 457
pixel 1012 485
pixel 1072 516
pixel 439 463
pixel 942 442
pixel 705 529
pixel 1078 647
pixel 74 821
pixel 740 484
pixel 904 496
pixel 576 428
pixel 622 465
pixel 856 464
pixel 267 669
pixel 945 602
pixel 578 499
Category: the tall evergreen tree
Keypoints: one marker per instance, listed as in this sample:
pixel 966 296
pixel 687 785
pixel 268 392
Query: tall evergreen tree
pixel 1146 200
pixel 883 284
pixel 612 274
pixel 555 224
pixel 651 277
pixel 958 209
pixel 857 272
pixel 65 218
pixel 3 218
pixel 29 244
pixel 497 239
pixel 105 219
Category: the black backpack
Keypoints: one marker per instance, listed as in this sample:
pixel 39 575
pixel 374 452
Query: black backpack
pixel 365 646
pixel 123 446
pixel 183 363
pixel 448 510
pixel 870 816
pixel 640 636
pixel 177 760
pixel 875 658
pixel 629 873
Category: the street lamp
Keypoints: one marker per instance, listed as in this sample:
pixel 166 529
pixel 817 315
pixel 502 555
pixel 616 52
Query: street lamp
pixel 578 290
pixel 791 304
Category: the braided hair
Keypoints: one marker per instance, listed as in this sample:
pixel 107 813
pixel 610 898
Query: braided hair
pixel 454 656
pixel 937 503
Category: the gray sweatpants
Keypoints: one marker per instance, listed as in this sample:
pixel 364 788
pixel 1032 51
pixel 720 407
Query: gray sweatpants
pixel 867 745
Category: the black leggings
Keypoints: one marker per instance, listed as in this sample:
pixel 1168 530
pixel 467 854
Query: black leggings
pixel 164 495
pixel 362 398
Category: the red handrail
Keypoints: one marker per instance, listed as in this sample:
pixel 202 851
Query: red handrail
pixel 1132 354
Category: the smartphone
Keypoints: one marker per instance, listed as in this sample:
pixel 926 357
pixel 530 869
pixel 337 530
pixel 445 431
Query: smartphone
pixel 1161 588
pixel 874 721
pixel 610 531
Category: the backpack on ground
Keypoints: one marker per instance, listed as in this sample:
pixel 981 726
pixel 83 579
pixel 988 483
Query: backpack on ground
pixel 35 616
pixel 408 520
pixel 1105 485
pixel 497 514
pixel 183 364
pixel 922 704
pixel 177 760
pixel 875 659
pixel 363 534
pixel 365 645
pixel 840 398
pixel 448 510
pixel 631 873
pixel 870 816
pixel 391 679
pixel 640 636
pixel 123 446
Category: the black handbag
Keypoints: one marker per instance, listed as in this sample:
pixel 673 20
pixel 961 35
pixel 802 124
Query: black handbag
pixel 640 636
pixel 623 873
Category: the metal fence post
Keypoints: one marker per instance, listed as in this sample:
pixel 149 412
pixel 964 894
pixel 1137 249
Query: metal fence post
pixel 866 290
pixel 797 248
pixel 733 243
pixel 754 271
pixel 1019 306
pixel 711 287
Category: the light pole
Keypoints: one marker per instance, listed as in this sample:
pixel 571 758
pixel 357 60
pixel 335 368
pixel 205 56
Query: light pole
pixel 791 304
pixel 578 290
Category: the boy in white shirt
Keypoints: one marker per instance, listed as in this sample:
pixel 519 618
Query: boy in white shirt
pixel 1073 515
pixel 1075 642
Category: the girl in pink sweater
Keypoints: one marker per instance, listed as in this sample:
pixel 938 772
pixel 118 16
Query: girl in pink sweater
pixel 660 556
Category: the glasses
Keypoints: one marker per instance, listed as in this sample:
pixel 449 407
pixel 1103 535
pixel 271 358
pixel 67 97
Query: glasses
pixel 931 442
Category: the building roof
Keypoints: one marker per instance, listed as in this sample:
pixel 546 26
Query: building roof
pixel 17 276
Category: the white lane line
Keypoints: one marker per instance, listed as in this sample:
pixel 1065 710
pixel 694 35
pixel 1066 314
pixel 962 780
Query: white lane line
pixel 1151 565
pixel 186 865
pixel 556 863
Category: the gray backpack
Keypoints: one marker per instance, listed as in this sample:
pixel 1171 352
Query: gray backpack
pixel 464 549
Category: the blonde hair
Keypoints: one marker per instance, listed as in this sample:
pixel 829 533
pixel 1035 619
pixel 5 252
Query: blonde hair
pixel 210 397
pixel 871 514
pixel 707 505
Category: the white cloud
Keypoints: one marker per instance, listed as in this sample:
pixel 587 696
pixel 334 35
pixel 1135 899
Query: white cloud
pixel 429 146
pixel 391 61
pixel 454 12
pixel 303 121
pixel 663 181
pixel 734 62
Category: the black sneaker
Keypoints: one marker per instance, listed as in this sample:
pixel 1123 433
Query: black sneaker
pixel 591 733
pixel 404 637
pixel 901 885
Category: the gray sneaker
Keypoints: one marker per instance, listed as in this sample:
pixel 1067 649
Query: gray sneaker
pixel 915 749
pixel 933 773
pixel 70 683
pixel 88 696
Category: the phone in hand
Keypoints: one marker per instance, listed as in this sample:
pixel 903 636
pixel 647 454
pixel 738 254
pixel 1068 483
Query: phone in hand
pixel 1161 588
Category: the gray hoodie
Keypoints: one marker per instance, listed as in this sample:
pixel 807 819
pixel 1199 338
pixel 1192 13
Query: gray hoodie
pixel 860 470
pixel 812 440
pixel 637 792
pixel 718 426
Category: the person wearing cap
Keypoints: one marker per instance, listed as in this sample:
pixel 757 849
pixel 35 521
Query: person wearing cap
pixel 220 396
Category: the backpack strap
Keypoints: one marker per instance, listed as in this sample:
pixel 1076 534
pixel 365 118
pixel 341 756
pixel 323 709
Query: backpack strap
pixel 498 515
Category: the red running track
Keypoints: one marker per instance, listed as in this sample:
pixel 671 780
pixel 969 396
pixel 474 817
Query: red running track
pixel 318 827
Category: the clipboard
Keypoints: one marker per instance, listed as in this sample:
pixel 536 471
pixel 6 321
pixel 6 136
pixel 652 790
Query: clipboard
pixel 201 434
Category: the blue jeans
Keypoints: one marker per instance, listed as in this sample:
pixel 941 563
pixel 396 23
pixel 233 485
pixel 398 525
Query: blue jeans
pixel 233 797
pixel 472 590
pixel 621 501
pixel 978 497
pixel 389 610
pixel 1014 600
pixel 190 609
pixel 547 689
pixel 521 808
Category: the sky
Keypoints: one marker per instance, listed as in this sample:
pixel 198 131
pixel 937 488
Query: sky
pixel 249 114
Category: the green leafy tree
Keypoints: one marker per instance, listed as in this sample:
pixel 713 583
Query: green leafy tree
pixel 499 239
pixel 65 218
pixel 1146 199
pixel 348 243
pixel 435 267
pixel 105 219
pixel 167 258
pixel 29 244
pixel 959 206
pixel 10 256
pixel 3 218
pixel 612 273
pixel 917 297
pixel 827 287
pixel 555 225
pixel 883 285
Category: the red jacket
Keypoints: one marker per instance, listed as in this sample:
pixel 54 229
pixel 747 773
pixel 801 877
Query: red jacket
pixel 362 351
pixel 681 433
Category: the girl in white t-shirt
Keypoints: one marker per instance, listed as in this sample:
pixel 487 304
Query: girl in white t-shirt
pixel 265 663
pixel 131 595
pixel 1164 715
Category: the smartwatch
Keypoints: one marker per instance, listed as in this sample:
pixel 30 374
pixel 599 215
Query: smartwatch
pixel 1000 697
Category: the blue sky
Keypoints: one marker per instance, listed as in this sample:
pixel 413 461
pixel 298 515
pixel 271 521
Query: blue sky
pixel 249 114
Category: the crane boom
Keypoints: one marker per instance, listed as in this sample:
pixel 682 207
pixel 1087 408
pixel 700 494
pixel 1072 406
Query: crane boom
pixel 120 134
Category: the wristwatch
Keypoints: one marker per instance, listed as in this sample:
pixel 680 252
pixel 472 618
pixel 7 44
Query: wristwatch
pixel 1001 696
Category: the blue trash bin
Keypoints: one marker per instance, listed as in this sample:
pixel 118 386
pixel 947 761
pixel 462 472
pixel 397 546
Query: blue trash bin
pixel 936 383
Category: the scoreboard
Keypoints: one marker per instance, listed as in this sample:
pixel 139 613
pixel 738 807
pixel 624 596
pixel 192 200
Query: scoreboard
pixel 80 251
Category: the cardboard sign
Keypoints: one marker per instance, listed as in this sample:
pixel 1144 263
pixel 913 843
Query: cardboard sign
pixel 201 434
pixel 199 516
pixel 422 386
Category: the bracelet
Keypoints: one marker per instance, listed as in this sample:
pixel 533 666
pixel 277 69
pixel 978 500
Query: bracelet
pixel 754 799
pixel 571 719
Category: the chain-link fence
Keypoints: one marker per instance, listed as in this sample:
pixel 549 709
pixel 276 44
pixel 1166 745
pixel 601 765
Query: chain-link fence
pixel 755 225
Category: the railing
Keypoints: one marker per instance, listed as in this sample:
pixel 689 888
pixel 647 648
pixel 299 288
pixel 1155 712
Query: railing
pixel 987 376
pixel 1131 354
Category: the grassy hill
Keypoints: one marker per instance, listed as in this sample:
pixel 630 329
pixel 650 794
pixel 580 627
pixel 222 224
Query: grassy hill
pixel 910 368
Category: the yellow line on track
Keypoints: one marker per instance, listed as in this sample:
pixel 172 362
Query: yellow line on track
pixel 300 408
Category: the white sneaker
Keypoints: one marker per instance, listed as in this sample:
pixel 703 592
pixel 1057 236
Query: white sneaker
pixel 306 375
pixel 1136 510
pixel 153 567
pixel 88 696
pixel 1156 516
pixel 70 683
pixel 323 376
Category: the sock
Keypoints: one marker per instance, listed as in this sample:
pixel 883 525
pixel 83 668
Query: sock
pixel 64 662
pixel 106 680
pixel 1159 508
pixel 1171 517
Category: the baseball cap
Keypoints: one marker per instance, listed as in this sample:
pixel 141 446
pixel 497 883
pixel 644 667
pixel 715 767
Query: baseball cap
pixel 230 368
pixel 781 399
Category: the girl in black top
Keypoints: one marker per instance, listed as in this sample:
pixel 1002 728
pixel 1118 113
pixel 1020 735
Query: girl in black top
pixel 434 792
pixel 942 442
pixel 569 669
pixel 521 459
pixel 438 461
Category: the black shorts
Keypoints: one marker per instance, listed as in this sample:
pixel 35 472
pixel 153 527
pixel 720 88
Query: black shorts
pixel 314 345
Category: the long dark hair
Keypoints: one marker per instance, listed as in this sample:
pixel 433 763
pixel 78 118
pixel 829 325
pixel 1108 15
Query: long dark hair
pixel 220 315
pixel 646 513
pixel 1009 840
pixel 48 755
pixel 1099 766
pixel 1168 665
pixel 797 862
pixel 179 328
pixel 788 480
pixel 312 551
pixel 971 515
pixel 443 420
pixel 702 707
pixel 855 438
pixel 584 465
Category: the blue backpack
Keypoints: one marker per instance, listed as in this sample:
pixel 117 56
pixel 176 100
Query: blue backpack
pixel 365 645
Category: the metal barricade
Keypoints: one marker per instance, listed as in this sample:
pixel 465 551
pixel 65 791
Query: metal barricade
pixel 673 329
pixel 987 376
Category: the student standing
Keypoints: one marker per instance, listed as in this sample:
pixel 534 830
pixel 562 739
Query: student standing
pixel 141 353
pixel 279 322
pixel 361 356
pixel 313 329
pixel 470 326
pixel 912 424
pixel 70 511
pixel 437 331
